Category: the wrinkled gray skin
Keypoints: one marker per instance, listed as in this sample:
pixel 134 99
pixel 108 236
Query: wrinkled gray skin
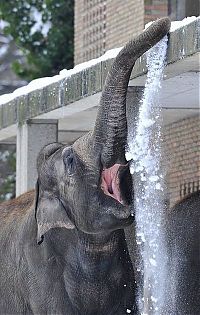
pixel 183 252
pixel 67 254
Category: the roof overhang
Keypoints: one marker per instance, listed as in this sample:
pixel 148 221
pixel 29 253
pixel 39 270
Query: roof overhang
pixel 74 100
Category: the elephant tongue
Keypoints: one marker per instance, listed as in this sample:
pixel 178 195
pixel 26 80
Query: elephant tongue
pixel 110 182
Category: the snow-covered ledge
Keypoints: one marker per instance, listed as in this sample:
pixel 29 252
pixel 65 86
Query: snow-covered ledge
pixel 64 90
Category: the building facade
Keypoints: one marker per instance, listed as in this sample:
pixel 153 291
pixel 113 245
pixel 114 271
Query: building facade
pixel 154 9
pixel 104 24
pixel 101 25
pixel 182 158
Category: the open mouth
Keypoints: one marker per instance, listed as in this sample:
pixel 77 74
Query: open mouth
pixel 116 182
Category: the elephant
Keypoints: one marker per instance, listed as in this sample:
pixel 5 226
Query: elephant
pixel 63 248
pixel 181 261
pixel 182 230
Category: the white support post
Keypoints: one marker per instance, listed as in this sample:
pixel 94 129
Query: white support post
pixel 31 137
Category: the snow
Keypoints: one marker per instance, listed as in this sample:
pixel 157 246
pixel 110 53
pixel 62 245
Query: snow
pixel 39 24
pixel 4 155
pixel 153 262
pixel 8 196
pixel 154 299
pixel 144 151
pixel 158 186
pixel 3 24
pixel 154 178
pixel 64 74
pixel 139 149
pixel 178 24
pixel 112 53
pixel 5 39
pixel 3 50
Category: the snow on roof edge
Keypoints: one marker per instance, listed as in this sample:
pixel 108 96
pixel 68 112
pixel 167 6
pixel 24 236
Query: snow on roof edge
pixel 64 74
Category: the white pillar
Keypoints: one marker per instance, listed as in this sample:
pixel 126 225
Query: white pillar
pixel 31 137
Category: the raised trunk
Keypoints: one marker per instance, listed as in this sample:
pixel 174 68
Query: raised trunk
pixel 110 132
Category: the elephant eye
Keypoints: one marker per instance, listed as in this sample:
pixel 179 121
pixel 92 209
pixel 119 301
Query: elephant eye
pixel 68 159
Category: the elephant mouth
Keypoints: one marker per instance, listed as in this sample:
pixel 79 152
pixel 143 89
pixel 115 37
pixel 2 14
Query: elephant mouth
pixel 116 182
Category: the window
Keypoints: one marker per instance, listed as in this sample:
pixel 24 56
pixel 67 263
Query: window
pixel 188 188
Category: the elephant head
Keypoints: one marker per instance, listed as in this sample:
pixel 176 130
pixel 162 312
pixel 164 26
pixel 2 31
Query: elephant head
pixel 88 185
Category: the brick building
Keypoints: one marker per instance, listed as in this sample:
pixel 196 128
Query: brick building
pixel 104 24
pixel 154 9
pixel 101 25
pixel 182 157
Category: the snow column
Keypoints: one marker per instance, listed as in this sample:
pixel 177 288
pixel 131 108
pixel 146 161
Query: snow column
pixel 144 151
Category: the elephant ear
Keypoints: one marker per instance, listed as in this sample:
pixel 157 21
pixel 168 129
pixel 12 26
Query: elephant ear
pixel 49 213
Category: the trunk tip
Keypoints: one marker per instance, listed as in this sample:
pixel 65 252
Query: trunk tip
pixel 162 24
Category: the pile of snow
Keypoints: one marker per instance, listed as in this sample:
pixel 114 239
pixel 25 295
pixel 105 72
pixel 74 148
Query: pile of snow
pixel 64 74
pixel 110 54
pixel 178 24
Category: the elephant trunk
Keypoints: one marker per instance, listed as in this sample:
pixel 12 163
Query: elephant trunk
pixel 110 131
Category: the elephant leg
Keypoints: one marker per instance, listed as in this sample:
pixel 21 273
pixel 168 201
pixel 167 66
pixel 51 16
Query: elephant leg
pixel 51 302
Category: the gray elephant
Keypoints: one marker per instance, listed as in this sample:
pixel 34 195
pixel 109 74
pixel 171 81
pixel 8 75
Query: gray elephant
pixel 183 253
pixel 65 252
